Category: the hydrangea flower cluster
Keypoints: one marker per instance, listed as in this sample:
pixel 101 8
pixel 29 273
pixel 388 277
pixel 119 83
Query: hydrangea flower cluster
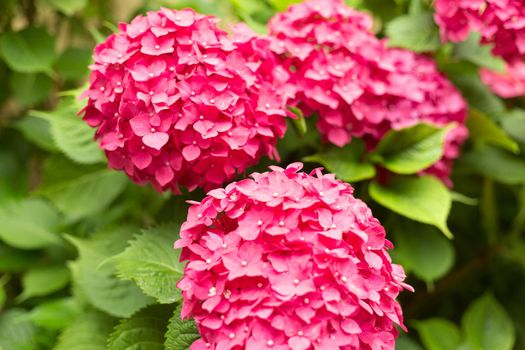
pixel 177 102
pixel 288 260
pixel 500 22
pixel 356 84
pixel 509 84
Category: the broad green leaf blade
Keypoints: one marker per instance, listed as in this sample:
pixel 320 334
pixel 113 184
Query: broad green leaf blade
pixel 422 250
pixel 28 51
pixel 478 94
pixel 496 164
pixel 37 131
pixel 95 277
pixel 282 5
pixel 405 343
pixel 411 150
pixel 80 191
pixel 68 7
pixel 514 124
pixel 480 54
pixel 152 263
pixel 39 232
pixel 345 162
pixel 415 32
pixel 438 334
pixel 481 127
pixel 424 199
pixel 17 332
pixel 144 330
pixel 30 89
pixel 73 63
pixel 44 280
pixel 72 136
pixel 55 314
pixel 181 333
pixel 487 325
pixel 88 332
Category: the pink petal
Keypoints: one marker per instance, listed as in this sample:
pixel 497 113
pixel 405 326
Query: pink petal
pixel 155 140
pixel 191 152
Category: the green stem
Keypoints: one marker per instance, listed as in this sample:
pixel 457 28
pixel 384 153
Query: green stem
pixel 489 214
pixel 518 226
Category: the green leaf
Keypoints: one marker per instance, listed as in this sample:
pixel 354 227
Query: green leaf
pixel 423 250
pixel 424 199
pixel 72 136
pixel 481 127
pixel 37 131
pixel 480 54
pixel 89 332
pixel 415 31
pixel 181 333
pixel 68 7
pixel 55 314
pixel 410 150
pixel 152 263
pixel 30 88
pixel 80 191
pixel 17 332
pixel 28 51
pixel 514 124
pixel 38 232
pixel 438 334
pixel 345 162
pixel 405 343
pixel 73 63
pixel 487 326
pixel 496 164
pixel 95 277
pixel 478 94
pixel 299 123
pixel 44 280
pixel 144 330
pixel 282 5
pixel 15 260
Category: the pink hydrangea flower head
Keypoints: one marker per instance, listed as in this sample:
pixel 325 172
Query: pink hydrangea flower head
pixel 358 86
pixel 177 102
pixel 288 260
pixel 500 22
pixel 508 84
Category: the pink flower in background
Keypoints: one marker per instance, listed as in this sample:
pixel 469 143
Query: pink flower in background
pixel 288 260
pixel 356 84
pixel 176 102
pixel 500 22
pixel 509 84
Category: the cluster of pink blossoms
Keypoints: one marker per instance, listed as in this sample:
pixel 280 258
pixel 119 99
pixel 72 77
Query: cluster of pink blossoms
pixel 509 84
pixel 356 84
pixel 501 23
pixel 177 102
pixel 288 260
